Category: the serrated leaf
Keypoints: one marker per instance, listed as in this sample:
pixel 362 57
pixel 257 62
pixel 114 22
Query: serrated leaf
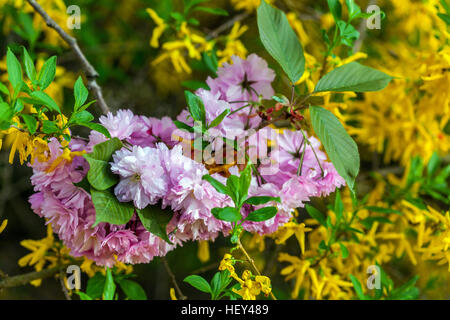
pixel 262 214
pixel 109 209
pixel 81 117
pixel 353 77
pixel 340 147
pixel 229 214
pixel 155 220
pixel 198 283
pixel 280 40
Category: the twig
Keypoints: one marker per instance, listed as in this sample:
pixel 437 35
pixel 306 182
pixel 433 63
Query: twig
pixel 226 25
pixel 24 279
pixel 90 72
pixel 252 262
pixel 174 280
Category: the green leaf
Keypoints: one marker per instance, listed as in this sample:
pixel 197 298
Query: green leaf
pixel 229 214
pixel 80 92
pixel 219 186
pixel 95 286
pixel 316 214
pixel 219 119
pixel 258 200
pixel 339 146
pixel 4 89
pixel 81 117
pixel 198 283
pixel 348 33
pixel 262 214
pixel 132 289
pixel 353 77
pixel 14 69
pixel 280 40
pixel 97 127
pixel 109 209
pixel 444 17
pixel 47 73
pixel 210 60
pixel 353 9
pixel 183 126
pixel 338 206
pixel 335 9
pixel 49 127
pixel 195 85
pixel 46 100
pixel 99 174
pixel 433 164
pixel 110 287
pixel 29 65
pixel 216 11
pixel 155 220
pixel 344 251
pixel 195 106
pixel 382 210
pixel 31 122
pixel 234 188
pixel 245 180
pixel 83 296
pixel 358 288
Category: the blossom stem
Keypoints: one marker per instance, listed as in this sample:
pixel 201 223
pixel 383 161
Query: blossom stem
pixel 252 262
pixel 314 151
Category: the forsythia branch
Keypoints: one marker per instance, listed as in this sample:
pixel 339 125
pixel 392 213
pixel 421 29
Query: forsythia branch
pixel 90 72
pixel 24 279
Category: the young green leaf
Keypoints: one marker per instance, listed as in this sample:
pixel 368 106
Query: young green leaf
pixel 97 127
pixel 80 92
pixel 81 117
pixel 4 89
pixel 258 200
pixel 216 11
pixel 353 77
pixel 31 122
pixel 46 100
pixel 83 296
pixel 280 40
pixel 14 69
pixel 95 286
pixel 195 106
pixel 49 127
pixel 29 65
pixel 344 251
pixel 234 188
pixel 219 118
pixel 155 220
pixel 47 73
pixel 132 289
pixel 109 209
pixel 335 9
pixel 183 126
pixel 229 214
pixel 316 214
pixel 358 287
pixel 198 283
pixel 110 287
pixel 262 214
pixel 219 186
pixel 339 146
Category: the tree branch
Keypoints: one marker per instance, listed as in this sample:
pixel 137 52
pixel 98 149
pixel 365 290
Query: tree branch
pixel 90 72
pixel 174 280
pixel 24 279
